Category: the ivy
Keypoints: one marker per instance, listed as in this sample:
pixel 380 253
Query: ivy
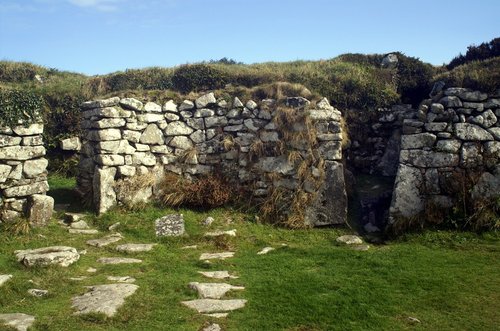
pixel 19 107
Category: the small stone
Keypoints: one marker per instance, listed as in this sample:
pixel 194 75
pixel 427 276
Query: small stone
pixel 251 105
pixel 361 248
pixel 218 274
pixel 170 106
pixel 170 225
pixel 78 279
pixel 104 299
pixel 350 240
pixel 135 248
pixel 83 231
pixel 413 320
pixel 4 279
pixel 230 233
pixel 212 327
pixel 18 321
pixel 105 241
pixel 237 103
pixel 92 270
pixel 119 279
pixel 53 255
pixel 214 305
pixel 79 225
pixel 118 260
pixel 71 144
pixel 131 103
pixel 37 292
pixel 265 250
pixel 205 100
pixel 217 315
pixel 152 107
pixel 213 290
pixel 190 247
pixel 208 221
pixel 114 226
pixel 216 256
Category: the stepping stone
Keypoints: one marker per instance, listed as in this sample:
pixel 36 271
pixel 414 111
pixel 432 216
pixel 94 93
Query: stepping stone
pixel 80 225
pixel 231 233
pixel 54 255
pixel 190 247
pixel 350 240
pixel 135 248
pixel 104 299
pixel 83 231
pixel 105 241
pixel 213 290
pixel 113 227
pixel 91 270
pixel 78 279
pixel 217 315
pixel 361 248
pixel 124 279
pixel 217 274
pixel 37 292
pixel 265 250
pixel 18 321
pixel 73 217
pixel 214 306
pixel 208 221
pixel 4 279
pixel 170 225
pixel 212 327
pixel 214 256
pixel 118 260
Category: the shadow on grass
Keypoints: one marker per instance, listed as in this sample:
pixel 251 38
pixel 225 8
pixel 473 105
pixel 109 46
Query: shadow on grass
pixel 62 189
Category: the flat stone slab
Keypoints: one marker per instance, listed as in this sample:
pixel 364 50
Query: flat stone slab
pixel 18 321
pixel 54 255
pixel 214 305
pixel 105 241
pixel 80 225
pixel 231 233
pixel 265 250
pixel 120 279
pixel 83 231
pixel 217 274
pixel 362 248
pixel 73 217
pixel 104 299
pixel 350 240
pixel 118 260
pixel 37 292
pixel 216 256
pixel 4 279
pixel 213 290
pixel 217 315
pixel 170 225
pixel 212 327
pixel 135 248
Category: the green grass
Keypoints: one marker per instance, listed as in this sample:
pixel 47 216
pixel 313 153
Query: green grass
pixel 448 280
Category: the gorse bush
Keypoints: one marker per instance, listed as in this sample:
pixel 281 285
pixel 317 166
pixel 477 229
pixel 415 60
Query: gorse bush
pixel 198 77
pixel 477 53
pixel 19 107
pixel 414 79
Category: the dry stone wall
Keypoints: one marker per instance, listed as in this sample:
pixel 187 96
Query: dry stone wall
pixel 455 138
pixel 23 175
pixel 256 145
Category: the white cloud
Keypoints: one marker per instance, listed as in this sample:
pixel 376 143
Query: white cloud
pixel 102 5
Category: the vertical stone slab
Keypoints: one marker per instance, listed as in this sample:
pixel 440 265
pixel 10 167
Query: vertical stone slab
pixel 103 188
pixel 40 208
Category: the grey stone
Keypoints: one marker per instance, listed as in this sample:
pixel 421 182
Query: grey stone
pixel 18 321
pixel 421 158
pixel 437 108
pixel 136 126
pixel 492 103
pixel 100 103
pixel 218 274
pixel 146 159
pixel 40 209
pixel 4 172
pixel 205 100
pixel 390 61
pixel 361 248
pixel 152 107
pixel 115 147
pixel 118 260
pixel 213 290
pixel 251 105
pixel 214 305
pixel 21 153
pixel 448 145
pixel 4 279
pixel 181 142
pixel 107 123
pixel 492 153
pixel 230 233
pixel 297 102
pixel 104 134
pixel 105 241
pixel 415 141
pixel 216 256
pixel 215 121
pixel 436 127
pixel 170 106
pixel 150 117
pixel 204 112
pixel 37 292
pixel 237 103
pixel 474 105
pixel 212 327
pixel 470 155
pixel 451 101
pixel 178 128
pixel 83 231
pixel 472 96
pixel 54 255
pixel 406 199
pixel 103 188
pixel 489 119
pixel 324 104
pixel 80 224
pixel 217 315
pixel 121 279
pixel 35 167
pixel 71 144
pixel 132 136
pixel 265 250
pixel 170 225
pixel 152 135
pixel 30 130
pixel 325 115
pixel 467 131
pixel 110 112
pixel 487 187
pixel 105 299
pixel 135 248
pixel 186 105
pixel 350 240
pixel 109 160
pixel 131 103
pixel 275 164
pixel 26 190
pixel 9 140
pixel 455 91
pixel 331 150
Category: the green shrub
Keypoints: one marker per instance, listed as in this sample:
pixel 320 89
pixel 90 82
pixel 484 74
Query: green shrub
pixel 198 77
pixel 17 72
pixel 154 78
pixel 477 53
pixel 414 79
pixel 19 107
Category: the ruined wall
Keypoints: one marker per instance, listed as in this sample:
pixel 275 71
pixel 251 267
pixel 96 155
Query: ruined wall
pixel 23 175
pixel 453 143
pixel 262 147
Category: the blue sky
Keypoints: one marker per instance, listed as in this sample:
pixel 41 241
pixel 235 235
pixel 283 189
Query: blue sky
pixel 102 36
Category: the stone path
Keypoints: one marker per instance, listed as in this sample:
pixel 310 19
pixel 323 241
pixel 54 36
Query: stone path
pixel 213 290
pixel 134 248
pixel 104 299
pixel 216 256
pixel 18 321
pixel 105 241
pixel 118 260
pixel 54 255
